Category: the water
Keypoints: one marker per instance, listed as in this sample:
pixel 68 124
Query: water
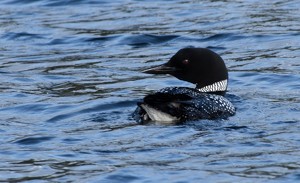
pixel 70 79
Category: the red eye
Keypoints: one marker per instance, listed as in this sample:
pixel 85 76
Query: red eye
pixel 186 61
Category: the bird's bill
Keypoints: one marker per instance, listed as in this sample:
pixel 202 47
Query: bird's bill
pixel 161 69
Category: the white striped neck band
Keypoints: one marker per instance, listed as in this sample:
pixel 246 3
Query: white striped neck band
pixel 217 86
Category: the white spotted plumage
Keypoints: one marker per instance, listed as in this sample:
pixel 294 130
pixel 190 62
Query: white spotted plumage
pixel 186 104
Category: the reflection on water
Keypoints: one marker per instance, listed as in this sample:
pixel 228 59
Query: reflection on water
pixel 70 79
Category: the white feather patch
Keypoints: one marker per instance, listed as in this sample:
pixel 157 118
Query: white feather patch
pixel 156 115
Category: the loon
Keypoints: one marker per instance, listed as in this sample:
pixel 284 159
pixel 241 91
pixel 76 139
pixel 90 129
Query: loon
pixel 199 66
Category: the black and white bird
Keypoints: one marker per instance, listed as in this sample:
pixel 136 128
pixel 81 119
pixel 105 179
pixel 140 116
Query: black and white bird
pixel 200 66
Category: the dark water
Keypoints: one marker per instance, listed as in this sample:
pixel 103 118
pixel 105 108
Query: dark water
pixel 70 78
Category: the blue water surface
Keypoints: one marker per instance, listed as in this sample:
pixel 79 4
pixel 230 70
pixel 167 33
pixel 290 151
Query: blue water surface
pixel 70 79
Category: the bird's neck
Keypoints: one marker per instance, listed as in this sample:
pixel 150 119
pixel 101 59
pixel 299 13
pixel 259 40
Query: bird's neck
pixel 219 87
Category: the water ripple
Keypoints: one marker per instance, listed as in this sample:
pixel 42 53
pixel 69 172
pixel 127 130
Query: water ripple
pixel 22 36
pixel 33 140
pixel 144 40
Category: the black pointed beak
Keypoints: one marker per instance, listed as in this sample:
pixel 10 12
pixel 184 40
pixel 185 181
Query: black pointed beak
pixel 161 69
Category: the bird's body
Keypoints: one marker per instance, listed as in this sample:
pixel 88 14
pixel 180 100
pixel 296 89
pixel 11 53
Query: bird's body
pixel 177 104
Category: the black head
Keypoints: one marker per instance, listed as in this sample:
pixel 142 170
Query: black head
pixel 200 66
